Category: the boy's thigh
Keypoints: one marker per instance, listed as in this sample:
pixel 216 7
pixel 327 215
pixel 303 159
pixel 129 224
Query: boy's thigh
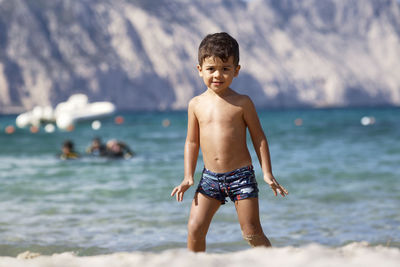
pixel 248 212
pixel 203 209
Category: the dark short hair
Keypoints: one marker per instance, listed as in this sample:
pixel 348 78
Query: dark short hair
pixel 220 45
pixel 96 139
pixel 68 144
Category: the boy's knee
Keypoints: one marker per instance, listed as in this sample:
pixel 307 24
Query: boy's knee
pixel 196 229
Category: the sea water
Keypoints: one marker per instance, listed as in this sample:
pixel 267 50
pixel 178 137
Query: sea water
pixel 343 178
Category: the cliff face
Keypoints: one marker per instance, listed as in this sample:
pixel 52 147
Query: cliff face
pixel 142 54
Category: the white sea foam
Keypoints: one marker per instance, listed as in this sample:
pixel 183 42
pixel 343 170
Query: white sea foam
pixel 355 254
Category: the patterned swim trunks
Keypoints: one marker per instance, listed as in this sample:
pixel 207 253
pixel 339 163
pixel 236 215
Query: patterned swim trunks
pixel 238 184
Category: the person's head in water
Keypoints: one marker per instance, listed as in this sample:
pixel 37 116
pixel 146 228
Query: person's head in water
pixel 114 146
pixel 68 150
pixel 96 143
pixel 68 147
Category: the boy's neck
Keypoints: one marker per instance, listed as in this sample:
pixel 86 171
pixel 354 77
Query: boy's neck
pixel 222 93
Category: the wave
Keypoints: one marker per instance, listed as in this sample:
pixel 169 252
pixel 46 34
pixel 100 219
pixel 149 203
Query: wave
pixel 354 254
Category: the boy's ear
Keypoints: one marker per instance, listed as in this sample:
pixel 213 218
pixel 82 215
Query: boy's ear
pixel 237 70
pixel 199 69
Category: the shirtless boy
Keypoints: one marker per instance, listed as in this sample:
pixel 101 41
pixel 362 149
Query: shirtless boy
pixel 217 122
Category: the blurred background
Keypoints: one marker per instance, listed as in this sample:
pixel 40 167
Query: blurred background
pixel 141 54
pixel 324 75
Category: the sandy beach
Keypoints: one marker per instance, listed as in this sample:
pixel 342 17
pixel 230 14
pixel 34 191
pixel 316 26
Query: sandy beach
pixel 355 254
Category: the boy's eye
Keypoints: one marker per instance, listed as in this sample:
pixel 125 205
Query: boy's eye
pixel 226 69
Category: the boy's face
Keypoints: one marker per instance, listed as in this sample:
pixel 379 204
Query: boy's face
pixel 217 74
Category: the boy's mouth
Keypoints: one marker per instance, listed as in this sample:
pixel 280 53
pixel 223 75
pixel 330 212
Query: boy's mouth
pixel 217 83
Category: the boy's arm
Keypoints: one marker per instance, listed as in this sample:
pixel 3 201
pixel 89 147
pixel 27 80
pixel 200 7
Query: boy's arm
pixel 260 144
pixel 191 153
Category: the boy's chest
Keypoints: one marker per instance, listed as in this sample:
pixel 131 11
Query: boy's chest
pixel 220 113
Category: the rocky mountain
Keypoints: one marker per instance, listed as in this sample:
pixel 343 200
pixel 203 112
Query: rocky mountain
pixel 142 54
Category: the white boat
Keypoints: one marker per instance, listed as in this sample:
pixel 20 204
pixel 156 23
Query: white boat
pixel 35 117
pixel 66 114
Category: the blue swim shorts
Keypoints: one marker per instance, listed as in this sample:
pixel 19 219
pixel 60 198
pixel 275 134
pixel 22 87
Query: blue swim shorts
pixel 238 184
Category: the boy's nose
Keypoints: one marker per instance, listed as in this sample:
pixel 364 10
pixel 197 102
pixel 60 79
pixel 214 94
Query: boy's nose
pixel 217 73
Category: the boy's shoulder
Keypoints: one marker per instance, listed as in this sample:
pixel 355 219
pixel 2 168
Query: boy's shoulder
pixel 198 99
pixel 240 99
pixel 195 100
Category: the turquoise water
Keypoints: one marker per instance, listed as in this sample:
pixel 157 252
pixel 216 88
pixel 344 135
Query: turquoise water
pixel 343 179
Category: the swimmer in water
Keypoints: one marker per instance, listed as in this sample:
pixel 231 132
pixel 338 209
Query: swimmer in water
pixel 68 151
pixel 97 148
pixel 117 149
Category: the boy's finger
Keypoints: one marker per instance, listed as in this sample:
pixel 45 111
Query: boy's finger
pixel 273 187
pixel 287 192
pixel 281 192
pixel 174 191
pixel 284 190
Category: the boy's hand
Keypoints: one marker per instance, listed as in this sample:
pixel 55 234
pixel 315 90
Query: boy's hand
pixel 180 189
pixel 275 186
